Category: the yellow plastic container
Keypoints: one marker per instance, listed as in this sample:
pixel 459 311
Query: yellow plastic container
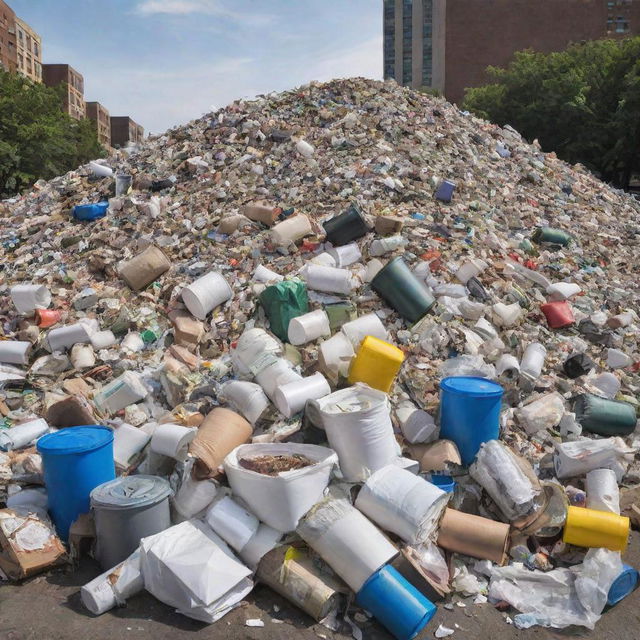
pixel 591 528
pixel 377 363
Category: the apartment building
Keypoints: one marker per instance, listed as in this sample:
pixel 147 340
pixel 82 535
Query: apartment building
pixel 101 120
pixel 448 44
pixel 8 59
pixel 124 130
pixel 56 74
pixel 28 51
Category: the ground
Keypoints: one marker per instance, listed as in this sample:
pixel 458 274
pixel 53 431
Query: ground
pixel 48 608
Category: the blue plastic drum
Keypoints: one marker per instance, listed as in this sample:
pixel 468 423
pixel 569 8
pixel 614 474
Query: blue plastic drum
pixel 75 461
pixel 396 603
pixel 469 413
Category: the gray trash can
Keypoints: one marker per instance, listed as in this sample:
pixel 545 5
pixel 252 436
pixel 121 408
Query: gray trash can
pixel 126 510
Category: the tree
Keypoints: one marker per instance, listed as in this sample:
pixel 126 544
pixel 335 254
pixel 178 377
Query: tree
pixel 582 103
pixel 37 139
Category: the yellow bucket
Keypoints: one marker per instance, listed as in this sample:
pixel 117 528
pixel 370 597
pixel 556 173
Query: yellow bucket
pixel 377 363
pixel 591 528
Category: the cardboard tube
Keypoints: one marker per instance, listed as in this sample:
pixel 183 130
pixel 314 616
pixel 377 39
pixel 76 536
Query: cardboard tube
pixel 474 536
pixel 144 268
pixel 172 440
pixel 221 432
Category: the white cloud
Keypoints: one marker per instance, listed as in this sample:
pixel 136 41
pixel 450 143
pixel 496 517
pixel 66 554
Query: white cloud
pixel 208 7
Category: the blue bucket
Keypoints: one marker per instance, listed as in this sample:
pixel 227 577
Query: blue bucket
pixel 88 212
pixel 75 461
pixel 395 603
pixel 446 483
pixel 469 413
pixel 623 585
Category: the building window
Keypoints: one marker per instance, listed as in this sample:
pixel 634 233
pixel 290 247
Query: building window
pixel 622 25
pixel 36 50
pixel 389 31
pixel 427 44
pixel 407 38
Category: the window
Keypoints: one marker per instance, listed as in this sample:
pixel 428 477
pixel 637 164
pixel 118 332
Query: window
pixel 407 38
pixel 427 44
pixel 36 50
pixel 622 25
pixel 389 32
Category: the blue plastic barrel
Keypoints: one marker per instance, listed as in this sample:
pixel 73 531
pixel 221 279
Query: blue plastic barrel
pixel 469 413
pixel 88 212
pixel 446 483
pixel 623 585
pixel 395 603
pixel 75 461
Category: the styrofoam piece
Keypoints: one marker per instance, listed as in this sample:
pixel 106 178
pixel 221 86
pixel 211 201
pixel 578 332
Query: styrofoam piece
pixel 280 501
pixel 205 294
pixel 278 373
pixel 562 291
pixel 329 279
pixel 608 384
pixel 265 539
pixel 255 350
pixel 232 522
pixel 368 325
pixel 28 297
pixel 345 255
pixel 264 274
pixel 290 230
pixel 103 339
pixel 246 398
pixel 126 389
pixel 507 364
pixel 470 269
pixel 533 360
pixel 194 496
pixel 403 503
pixel 417 426
pixel 133 342
pixel 189 567
pixel 82 356
pixel 15 351
pixel 617 359
pixel 100 170
pixel 64 337
pixel 577 458
pixel 31 498
pixel 336 354
pixel 114 586
pixel 373 266
pixel 304 148
pixel 346 540
pixel 172 440
pixel 603 493
pixel 308 327
pixel 291 398
pixel 128 443
pixel 23 434
pixel 358 425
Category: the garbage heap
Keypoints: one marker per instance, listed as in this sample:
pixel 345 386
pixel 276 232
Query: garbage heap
pixel 345 339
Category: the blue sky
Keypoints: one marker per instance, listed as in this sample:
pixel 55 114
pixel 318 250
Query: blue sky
pixel 165 62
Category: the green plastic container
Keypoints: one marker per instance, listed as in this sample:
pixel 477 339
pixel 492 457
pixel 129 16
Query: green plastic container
pixel 282 302
pixel 340 313
pixel 346 227
pixel 603 416
pixel 402 290
pixel 551 236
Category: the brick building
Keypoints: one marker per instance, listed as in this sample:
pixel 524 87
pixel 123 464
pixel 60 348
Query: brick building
pixel 8 58
pixel 28 51
pixel 56 74
pixel 125 130
pixel 101 120
pixel 448 44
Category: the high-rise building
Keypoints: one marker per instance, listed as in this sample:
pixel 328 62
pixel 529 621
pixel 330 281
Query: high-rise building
pixel 56 74
pixel 124 130
pixel 448 44
pixel 101 121
pixel 8 57
pixel 29 51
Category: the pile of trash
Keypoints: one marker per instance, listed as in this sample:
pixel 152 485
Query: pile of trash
pixel 346 341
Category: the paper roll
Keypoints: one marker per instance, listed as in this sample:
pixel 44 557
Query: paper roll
pixel 14 351
pixel 603 493
pixel 345 255
pixel 144 268
pixel 220 433
pixel 29 297
pixel 308 327
pixel 22 434
pixel 329 279
pixel 335 356
pixel 128 443
pixel 205 294
pixel 367 325
pixel 65 337
pixel 172 440
pixel 291 398
pixel 233 523
pixel 247 398
pixel 275 375
pixel 194 496
pixel 263 274
pixel 264 540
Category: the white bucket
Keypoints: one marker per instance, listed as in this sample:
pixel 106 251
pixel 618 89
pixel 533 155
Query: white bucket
pixel 265 539
pixel 263 274
pixel 276 374
pixel 29 297
pixel 255 350
pixel 128 443
pixel 22 434
pixel 172 440
pixel 470 269
pixel 345 255
pixel 205 294
pixel 64 337
pixel 15 351
pixel 403 503
pixel 120 393
pixel 417 426
pixel 367 325
pixel 103 339
pixel 335 355
pixel 292 397
pixel 280 501
pixel 290 230
pixel 194 496
pixel 82 356
pixel 329 279
pixel 533 360
pixel 358 425
pixel 603 493
pixel 234 524
pixel 247 398
pixel 308 327
pixel 349 543
pixel 562 291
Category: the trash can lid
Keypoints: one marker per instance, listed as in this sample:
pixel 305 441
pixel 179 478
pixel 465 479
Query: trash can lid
pixel 130 492
pixel 75 440
pixel 623 585
pixel 472 386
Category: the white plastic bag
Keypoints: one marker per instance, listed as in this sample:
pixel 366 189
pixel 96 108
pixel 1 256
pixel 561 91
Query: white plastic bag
pixel 581 456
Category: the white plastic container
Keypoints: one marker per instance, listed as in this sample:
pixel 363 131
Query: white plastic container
pixel 205 294
pixel 120 393
pixel 292 397
pixel 23 434
pixel 562 291
pixel 28 297
pixel 368 325
pixel 100 170
pixel 265 539
pixel 470 269
pixel 329 279
pixel 264 274
pixel 278 373
pixel 403 503
pixel 255 350
pixel 128 443
pixel 304 148
pixel 82 356
pixel 65 337
pixel 417 426
pixel 290 230
pixel 15 351
pixel 335 355
pixel 533 360
pixel 247 398
pixel 308 327
pixel 172 440
pixel 280 501
pixel 603 493
pixel 345 255
pixel 507 364
pixel 381 246
pixel 233 523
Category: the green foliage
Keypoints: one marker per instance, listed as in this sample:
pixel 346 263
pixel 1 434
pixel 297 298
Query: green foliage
pixel 582 103
pixel 38 140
